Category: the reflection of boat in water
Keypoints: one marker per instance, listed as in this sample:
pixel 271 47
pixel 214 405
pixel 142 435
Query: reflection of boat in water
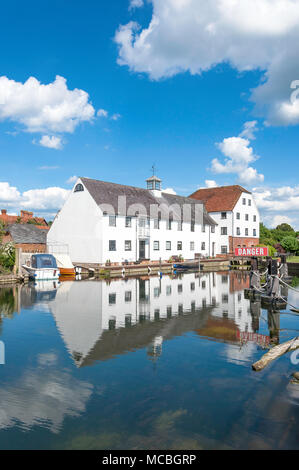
pixel 42 267
pixel 45 290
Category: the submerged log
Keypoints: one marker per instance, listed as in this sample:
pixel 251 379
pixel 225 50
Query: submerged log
pixel 276 352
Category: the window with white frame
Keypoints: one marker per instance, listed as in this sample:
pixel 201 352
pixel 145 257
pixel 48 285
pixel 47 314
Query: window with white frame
pixel 192 246
pixel 249 202
pixel 203 245
pixel 246 232
pixel 112 245
pixel 254 232
pixel 224 250
pixel 254 218
pixel 168 245
pixel 128 245
pixel 156 245
pixel 223 230
pixel 238 215
pixel 246 217
pixel 244 201
pixel 238 231
pixel 128 221
pixel 223 215
pixel 213 229
pixel 180 226
pixel 112 220
pixel 128 296
pixel 180 246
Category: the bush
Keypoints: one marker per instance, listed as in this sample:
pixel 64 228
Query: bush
pixel 290 244
pixel 7 255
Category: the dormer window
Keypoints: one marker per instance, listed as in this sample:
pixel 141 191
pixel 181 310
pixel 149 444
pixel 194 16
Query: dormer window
pixel 78 188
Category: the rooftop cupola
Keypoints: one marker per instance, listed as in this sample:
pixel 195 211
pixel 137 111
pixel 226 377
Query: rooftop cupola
pixel 154 184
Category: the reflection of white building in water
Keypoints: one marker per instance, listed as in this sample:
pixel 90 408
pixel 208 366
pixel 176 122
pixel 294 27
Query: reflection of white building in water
pixel 145 312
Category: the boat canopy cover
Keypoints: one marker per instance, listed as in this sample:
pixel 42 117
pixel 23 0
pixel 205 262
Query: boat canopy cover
pixel 42 261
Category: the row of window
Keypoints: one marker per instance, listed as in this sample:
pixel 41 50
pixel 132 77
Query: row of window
pixel 246 232
pixel 244 201
pixel 238 215
pixel 157 292
pixel 238 230
pixel 156 245
pixel 144 222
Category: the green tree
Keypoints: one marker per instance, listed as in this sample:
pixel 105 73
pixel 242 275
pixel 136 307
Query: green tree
pixel 285 228
pixel 290 244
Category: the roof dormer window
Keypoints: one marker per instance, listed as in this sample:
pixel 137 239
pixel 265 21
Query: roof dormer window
pixel 78 188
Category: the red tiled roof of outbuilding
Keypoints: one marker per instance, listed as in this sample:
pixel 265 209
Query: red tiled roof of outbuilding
pixel 222 198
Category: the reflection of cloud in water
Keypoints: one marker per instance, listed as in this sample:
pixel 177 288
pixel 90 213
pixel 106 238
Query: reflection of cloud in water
pixel 42 398
pixel 293 393
pixel 240 354
pixel 47 359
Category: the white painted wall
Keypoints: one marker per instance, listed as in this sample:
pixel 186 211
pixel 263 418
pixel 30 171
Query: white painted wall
pixel 232 223
pixel 82 226
pixel 79 225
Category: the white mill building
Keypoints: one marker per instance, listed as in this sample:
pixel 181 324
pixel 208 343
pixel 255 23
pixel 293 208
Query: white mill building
pixel 103 221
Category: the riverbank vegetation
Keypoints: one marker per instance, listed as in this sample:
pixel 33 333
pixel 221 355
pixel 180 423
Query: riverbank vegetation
pixel 283 239
pixel 7 253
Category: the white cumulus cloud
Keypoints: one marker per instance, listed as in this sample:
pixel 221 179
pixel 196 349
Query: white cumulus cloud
pixel 52 142
pixel 135 4
pixel 238 155
pixel 196 35
pixel 102 113
pixel 8 194
pixel 211 184
pixel 44 108
pixel 72 179
pixel 249 129
pixel 44 199
pixel 169 191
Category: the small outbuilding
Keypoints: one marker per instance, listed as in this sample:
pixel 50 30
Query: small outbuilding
pixel 30 238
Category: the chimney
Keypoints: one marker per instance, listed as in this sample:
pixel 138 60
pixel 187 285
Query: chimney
pixel 26 214
pixel 3 211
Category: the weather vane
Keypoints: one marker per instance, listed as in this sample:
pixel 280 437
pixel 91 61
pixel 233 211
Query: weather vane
pixel 153 168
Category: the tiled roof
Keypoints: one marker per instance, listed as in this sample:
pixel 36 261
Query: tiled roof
pixel 27 233
pixel 218 199
pixel 105 193
pixel 12 219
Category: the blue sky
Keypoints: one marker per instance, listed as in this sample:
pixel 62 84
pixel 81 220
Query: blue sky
pixel 173 91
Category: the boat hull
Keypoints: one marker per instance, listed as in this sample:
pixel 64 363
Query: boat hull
pixel 42 274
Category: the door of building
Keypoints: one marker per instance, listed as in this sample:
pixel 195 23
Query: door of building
pixel 141 249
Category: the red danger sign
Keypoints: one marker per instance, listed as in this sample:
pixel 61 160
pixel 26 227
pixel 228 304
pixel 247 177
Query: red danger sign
pixel 254 251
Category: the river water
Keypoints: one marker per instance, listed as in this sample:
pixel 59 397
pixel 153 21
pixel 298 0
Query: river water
pixel 144 364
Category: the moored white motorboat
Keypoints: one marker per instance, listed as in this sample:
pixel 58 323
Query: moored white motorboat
pixel 42 267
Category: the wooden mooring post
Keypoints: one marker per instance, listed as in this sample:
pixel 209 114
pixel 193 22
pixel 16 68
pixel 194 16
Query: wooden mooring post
pixel 255 280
